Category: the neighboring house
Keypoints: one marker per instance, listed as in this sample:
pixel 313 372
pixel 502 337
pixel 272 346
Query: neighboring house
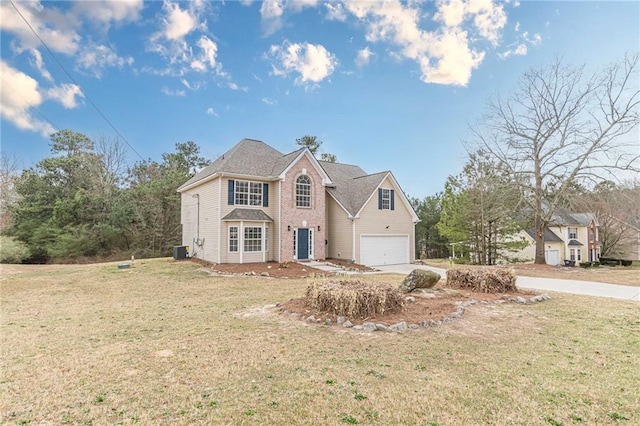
pixel 255 204
pixel 569 236
pixel 628 244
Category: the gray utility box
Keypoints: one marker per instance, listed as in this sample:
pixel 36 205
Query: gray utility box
pixel 180 252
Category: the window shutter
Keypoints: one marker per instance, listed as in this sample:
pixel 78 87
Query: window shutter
pixel 392 199
pixel 231 198
pixel 379 198
pixel 265 195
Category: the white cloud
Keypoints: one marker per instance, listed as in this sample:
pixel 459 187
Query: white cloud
pixel 192 86
pixel 207 58
pixel 19 94
pixel 94 58
pixel 298 5
pixel 66 95
pixel 169 92
pixel 234 86
pixel 444 54
pixel 269 101
pixel 211 111
pixel 312 62
pixel 178 22
pixel 39 64
pixel 271 12
pixel 336 12
pixel 53 26
pixel 364 55
pixel 107 10
pixel 521 47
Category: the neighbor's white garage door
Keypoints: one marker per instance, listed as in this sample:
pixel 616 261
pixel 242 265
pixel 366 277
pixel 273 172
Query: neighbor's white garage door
pixel 552 257
pixel 384 249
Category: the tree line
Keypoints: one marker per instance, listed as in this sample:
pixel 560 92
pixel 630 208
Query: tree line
pixel 559 140
pixel 83 201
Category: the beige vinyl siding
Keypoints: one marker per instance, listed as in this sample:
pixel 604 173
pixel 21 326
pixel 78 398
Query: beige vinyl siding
pixel 373 221
pixel 208 196
pixel 338 231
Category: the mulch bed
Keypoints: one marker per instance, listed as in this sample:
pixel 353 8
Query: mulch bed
pixel 439 306
pixel 276 270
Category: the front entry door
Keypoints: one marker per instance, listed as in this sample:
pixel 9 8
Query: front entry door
pixel 303 244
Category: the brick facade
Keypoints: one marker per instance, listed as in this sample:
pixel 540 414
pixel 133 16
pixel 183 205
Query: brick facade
pixel 302 217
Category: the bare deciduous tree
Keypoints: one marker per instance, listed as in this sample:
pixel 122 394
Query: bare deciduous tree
pixel 8 174
pixel 560 127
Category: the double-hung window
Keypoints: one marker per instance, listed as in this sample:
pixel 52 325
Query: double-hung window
pixel 386 199
pixel 253 238
pixel 233 239
pixel 248 193
pixel 573 233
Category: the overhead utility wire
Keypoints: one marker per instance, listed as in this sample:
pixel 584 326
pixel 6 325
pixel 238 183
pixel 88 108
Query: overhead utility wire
pixel 29 103
pixel 75 82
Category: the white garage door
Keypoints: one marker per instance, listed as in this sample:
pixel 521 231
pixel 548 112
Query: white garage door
pixel 552 257
pixel 384 249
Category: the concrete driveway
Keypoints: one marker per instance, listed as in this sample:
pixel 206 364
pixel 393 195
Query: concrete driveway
pixel 587 288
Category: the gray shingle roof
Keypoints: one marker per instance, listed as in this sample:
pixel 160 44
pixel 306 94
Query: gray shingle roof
pixel 352 185
pixel 565 217
pixel 549 235
pixel 575 243
pixel 248 214
pixel 248 157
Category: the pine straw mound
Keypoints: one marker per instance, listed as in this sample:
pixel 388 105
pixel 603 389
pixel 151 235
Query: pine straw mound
pixel 490 280
pixel 354 298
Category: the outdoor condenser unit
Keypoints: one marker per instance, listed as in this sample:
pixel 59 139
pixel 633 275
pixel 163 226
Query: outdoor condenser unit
pixel 180 252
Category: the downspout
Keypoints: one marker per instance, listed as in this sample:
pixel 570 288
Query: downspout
pixel 197 240
pixel 280 230
pixel 219 213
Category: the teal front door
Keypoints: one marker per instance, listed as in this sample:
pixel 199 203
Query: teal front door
pixel 303 244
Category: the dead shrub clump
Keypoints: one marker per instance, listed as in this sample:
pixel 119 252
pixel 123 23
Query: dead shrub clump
pixel 354 298
pixel 490 280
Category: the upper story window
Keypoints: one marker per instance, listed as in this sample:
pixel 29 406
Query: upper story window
pixel 303 191
pixel 592 235
pixel 245 193
pixel 573 233
pixel 385 199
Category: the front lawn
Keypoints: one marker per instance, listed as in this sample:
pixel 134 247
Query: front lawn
pixel 168 343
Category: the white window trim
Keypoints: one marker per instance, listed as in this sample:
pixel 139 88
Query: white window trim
pixel 386 199
pixel 245 239
pixel 248 193
pixel 237 239
pixel 295 243
pixel 303 196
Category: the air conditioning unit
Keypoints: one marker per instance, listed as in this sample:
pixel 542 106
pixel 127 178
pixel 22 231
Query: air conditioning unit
pixel 180 252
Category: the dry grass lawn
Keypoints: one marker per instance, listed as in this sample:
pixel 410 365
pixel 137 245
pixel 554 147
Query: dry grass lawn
pixel 167 343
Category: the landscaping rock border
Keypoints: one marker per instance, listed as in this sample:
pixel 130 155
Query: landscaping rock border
pixel 402 326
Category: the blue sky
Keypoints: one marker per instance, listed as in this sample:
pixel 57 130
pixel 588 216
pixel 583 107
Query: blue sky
pixel 385 85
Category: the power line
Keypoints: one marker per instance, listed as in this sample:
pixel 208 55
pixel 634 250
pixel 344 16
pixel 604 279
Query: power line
pixel 74 81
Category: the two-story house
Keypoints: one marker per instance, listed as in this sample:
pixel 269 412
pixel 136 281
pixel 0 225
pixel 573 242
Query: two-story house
pixel 255 204
pixel 571 237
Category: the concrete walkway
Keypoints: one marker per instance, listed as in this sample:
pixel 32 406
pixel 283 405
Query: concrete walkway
pixel 587 288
